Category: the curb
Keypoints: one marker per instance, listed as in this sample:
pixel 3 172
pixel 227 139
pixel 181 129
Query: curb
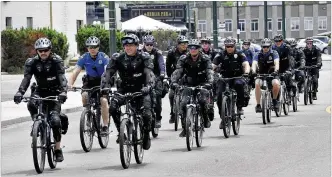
pixel 18 120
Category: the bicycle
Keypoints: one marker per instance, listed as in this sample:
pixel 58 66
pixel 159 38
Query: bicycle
pixel 266 97
pixel 283 96
pixel 42 129
pixel 308 86
pixel 194 123
pixel 228 107
pixel 130 130
pixel 91 119
pixel 154 130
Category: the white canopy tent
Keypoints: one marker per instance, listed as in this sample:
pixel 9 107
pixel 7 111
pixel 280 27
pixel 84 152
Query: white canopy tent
pixel 146 24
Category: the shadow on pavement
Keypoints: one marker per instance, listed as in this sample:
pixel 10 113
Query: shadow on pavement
pixel 120 168
pixel 31 172
pixel 81 151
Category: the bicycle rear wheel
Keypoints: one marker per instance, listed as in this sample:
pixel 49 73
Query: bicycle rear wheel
pixel 199 129
pixel 189 129
pixel 50 149
pixel 86 130
pixel 138 142
pixel 176 112
pixel 268 106
pixel 39 133
pixel 311 92
pixel 225 117
pixel 125 142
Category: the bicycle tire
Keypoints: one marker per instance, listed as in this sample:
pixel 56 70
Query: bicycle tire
pixel 176 113
pixel 236 122
pixel 199 129
pixel 268 103
pixel 124 140
pixel 294 100
pixel 285 104
pixel 225 113
pixel 50 149
pixel 154 130
pixel 103 139
pixel 83 121
pixel 189 129
pixel 278 111
pixel 138 142
pixel 311 92
pixel 305 95
pixel 264 106
pixel 38 127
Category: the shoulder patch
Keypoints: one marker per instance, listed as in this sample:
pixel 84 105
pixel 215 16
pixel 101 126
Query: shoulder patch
pixel 182 57
pixel 57 58
pixel 145 55
pixel 30 61
pixel 205 57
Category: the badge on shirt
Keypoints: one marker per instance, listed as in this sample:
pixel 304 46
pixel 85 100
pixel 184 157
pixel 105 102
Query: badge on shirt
pixel 235 55
pixel 152 57
pixel 100 62
pixel 270 58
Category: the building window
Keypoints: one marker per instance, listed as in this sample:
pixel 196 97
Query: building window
pixel 254 25
pixel 242 25
pixel 9 23
pixel 279 24
pixel 322 23
pixel 295 24
pixel 29 22
pixel 228 25
pixel 308 23
pixel 269 24
pixel 79 24
pixel 202 26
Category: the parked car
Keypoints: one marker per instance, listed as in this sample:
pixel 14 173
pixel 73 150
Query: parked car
pixel 321 45
pixel 324 39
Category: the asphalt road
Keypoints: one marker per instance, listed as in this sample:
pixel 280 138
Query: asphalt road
pixel 294 145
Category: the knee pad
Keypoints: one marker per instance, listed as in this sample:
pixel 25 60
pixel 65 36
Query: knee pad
pixel 64 123
pixel 55 120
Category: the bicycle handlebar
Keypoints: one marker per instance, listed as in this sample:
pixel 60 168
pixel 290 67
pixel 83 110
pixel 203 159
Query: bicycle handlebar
pixel 49 98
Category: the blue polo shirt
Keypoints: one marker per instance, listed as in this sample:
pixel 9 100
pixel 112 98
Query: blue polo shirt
pixel 93 68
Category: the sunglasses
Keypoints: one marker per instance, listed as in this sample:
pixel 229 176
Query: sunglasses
pixel 93 47
pixel 44 51
pixel 264 47
pixel 229 46
pixel 148 44
pixel 277 41
pixel 193 48
pixel 128 41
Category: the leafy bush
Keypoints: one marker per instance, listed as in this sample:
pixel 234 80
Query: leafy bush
pixel 100 32
pixel 18 45
pixel 164 38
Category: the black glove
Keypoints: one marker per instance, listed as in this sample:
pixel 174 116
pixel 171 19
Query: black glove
pixel 174 85
pixel 18 97
pixel 319 65
pixel 289 72
pixel 207 86
pixel 62 97
pixel 104 92
pixel 162 76
pixel 146 90
pixel 253 75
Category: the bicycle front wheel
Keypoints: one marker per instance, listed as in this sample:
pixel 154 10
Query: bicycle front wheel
pixel 189 129
pixel 38 150
pixel 86 130
pixel 50 149
pixel 138 142
pixel 225 117
pixel 264 106
pixel 199 129
pixel 125 142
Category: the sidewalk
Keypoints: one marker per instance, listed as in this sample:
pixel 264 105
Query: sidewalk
pixel 326 57
pixel 12 113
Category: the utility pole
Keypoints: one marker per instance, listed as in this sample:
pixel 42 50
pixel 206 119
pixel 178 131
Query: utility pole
pixel 215 28
pixel 237 22
pixel 283 19
pixel 112 27
pixel 51 16
pixel 189 20
pixel 265 20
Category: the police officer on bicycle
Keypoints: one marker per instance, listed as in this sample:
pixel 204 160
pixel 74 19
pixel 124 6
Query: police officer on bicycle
pixel 232 63
pixel 313 57
pixel 94 62
pixel 159 72
pixel 286 62
pixel 266 62
pixel 207 49
pixel 197 69
pixel 49 72
pixel 299 63
pixel 171 62
pixel 135 70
